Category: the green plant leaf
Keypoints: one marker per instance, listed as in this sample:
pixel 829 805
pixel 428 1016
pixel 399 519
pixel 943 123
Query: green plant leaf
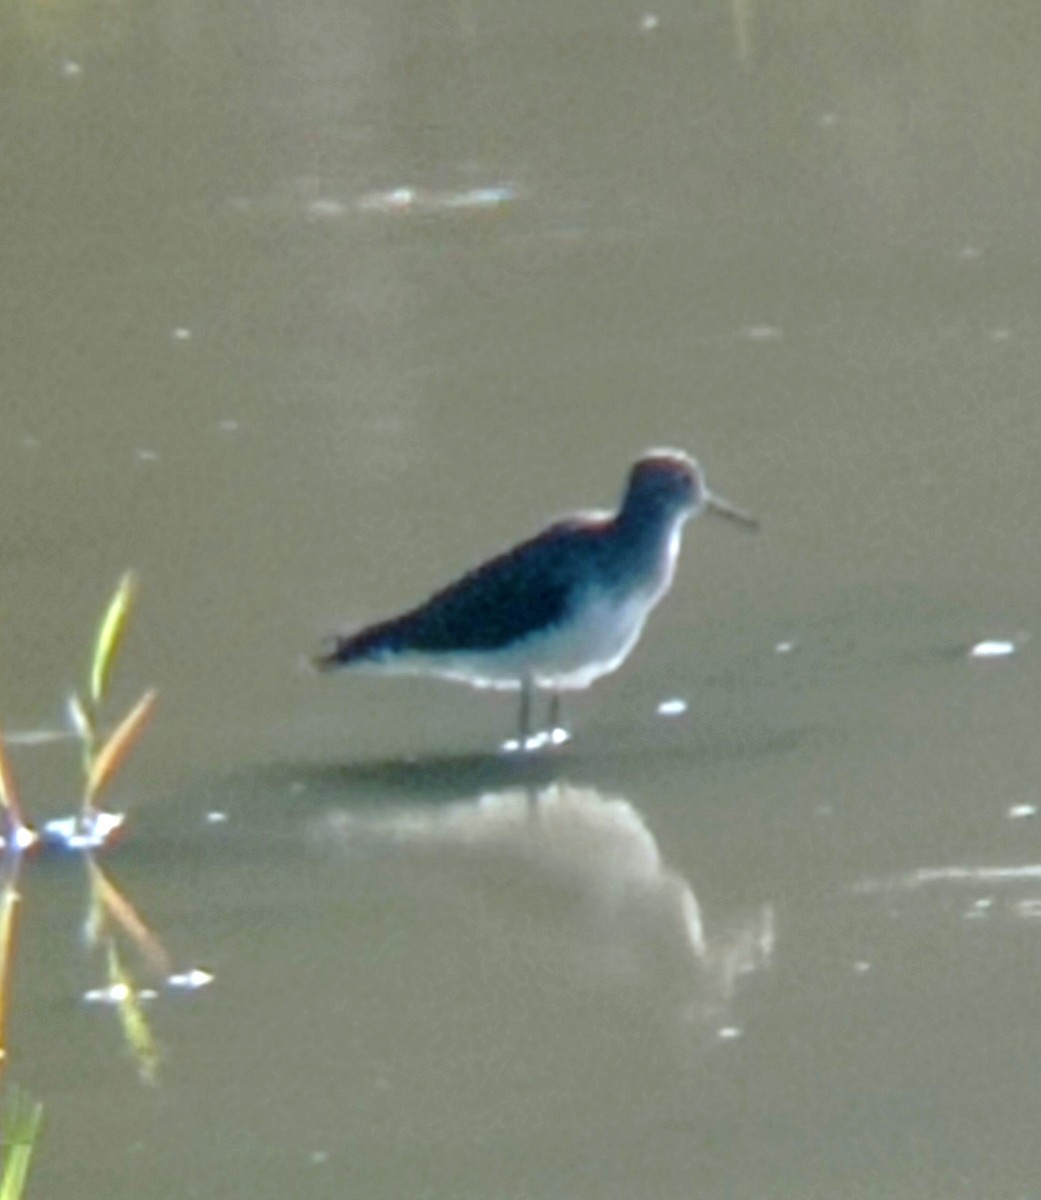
pixel 110 634
pixel 21 1125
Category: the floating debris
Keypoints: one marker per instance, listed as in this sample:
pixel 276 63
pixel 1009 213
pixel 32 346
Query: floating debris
pixel 116 994
pixel 827 120
pixel 190 981
pixel 316 199
pixel 181 334
pixel 993 648
pixel 82 831
pixel 862 966
pixel 1029 910
pixel 228 425
pixel 649 22
pixel 729 1033
pixel 22 838
pixel 1018 811
pixel 980 908
pixel 145 456
pixel 1000 335
pixel 70 69
pixel 762 333
pixel 399 199
pixel 537 741
pixel 479 197
pixel 784 647
pixel 410 199
pixel 675 707
pixel 216 818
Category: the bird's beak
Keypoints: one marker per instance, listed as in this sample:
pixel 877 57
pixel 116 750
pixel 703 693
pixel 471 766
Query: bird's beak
pixel 719 506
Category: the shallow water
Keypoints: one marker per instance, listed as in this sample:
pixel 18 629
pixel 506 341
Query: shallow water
pixel 308 309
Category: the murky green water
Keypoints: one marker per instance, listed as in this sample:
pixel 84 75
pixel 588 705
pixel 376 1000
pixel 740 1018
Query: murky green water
pixel 307 308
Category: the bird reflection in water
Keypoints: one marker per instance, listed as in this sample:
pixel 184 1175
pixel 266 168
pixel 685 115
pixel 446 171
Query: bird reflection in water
pixel 583 875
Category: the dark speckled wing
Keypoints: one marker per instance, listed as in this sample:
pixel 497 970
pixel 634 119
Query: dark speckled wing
pixel 530 587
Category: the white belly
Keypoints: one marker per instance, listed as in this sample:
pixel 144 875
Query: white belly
pixel 564 658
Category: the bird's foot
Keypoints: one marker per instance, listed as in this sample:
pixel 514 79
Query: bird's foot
pixel 557 736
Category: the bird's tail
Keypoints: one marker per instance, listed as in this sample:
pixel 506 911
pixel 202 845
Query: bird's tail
pixel 368 645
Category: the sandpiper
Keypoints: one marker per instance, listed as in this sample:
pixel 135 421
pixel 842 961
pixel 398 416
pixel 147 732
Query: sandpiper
pixel 555 612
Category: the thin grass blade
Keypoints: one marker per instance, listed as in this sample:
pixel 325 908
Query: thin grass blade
pixel 21 1126
pixel 113 754
pixel 94 922
pixel 117 908
pixel 80 720
pixel 110 634
pixel 8 902
pixel 9 789
pixel 136 1030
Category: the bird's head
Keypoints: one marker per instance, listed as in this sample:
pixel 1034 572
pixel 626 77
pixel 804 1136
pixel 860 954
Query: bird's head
pixel 671 483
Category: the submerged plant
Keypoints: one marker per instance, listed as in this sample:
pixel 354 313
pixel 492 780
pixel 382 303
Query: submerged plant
pixel 21 1124
pixel 110 916
pixel 109 912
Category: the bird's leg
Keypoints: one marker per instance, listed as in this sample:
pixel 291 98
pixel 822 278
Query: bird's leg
pixel 524 716
pixel 557 731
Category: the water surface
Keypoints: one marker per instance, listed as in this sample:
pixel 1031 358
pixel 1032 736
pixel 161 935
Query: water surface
pixel 308 309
